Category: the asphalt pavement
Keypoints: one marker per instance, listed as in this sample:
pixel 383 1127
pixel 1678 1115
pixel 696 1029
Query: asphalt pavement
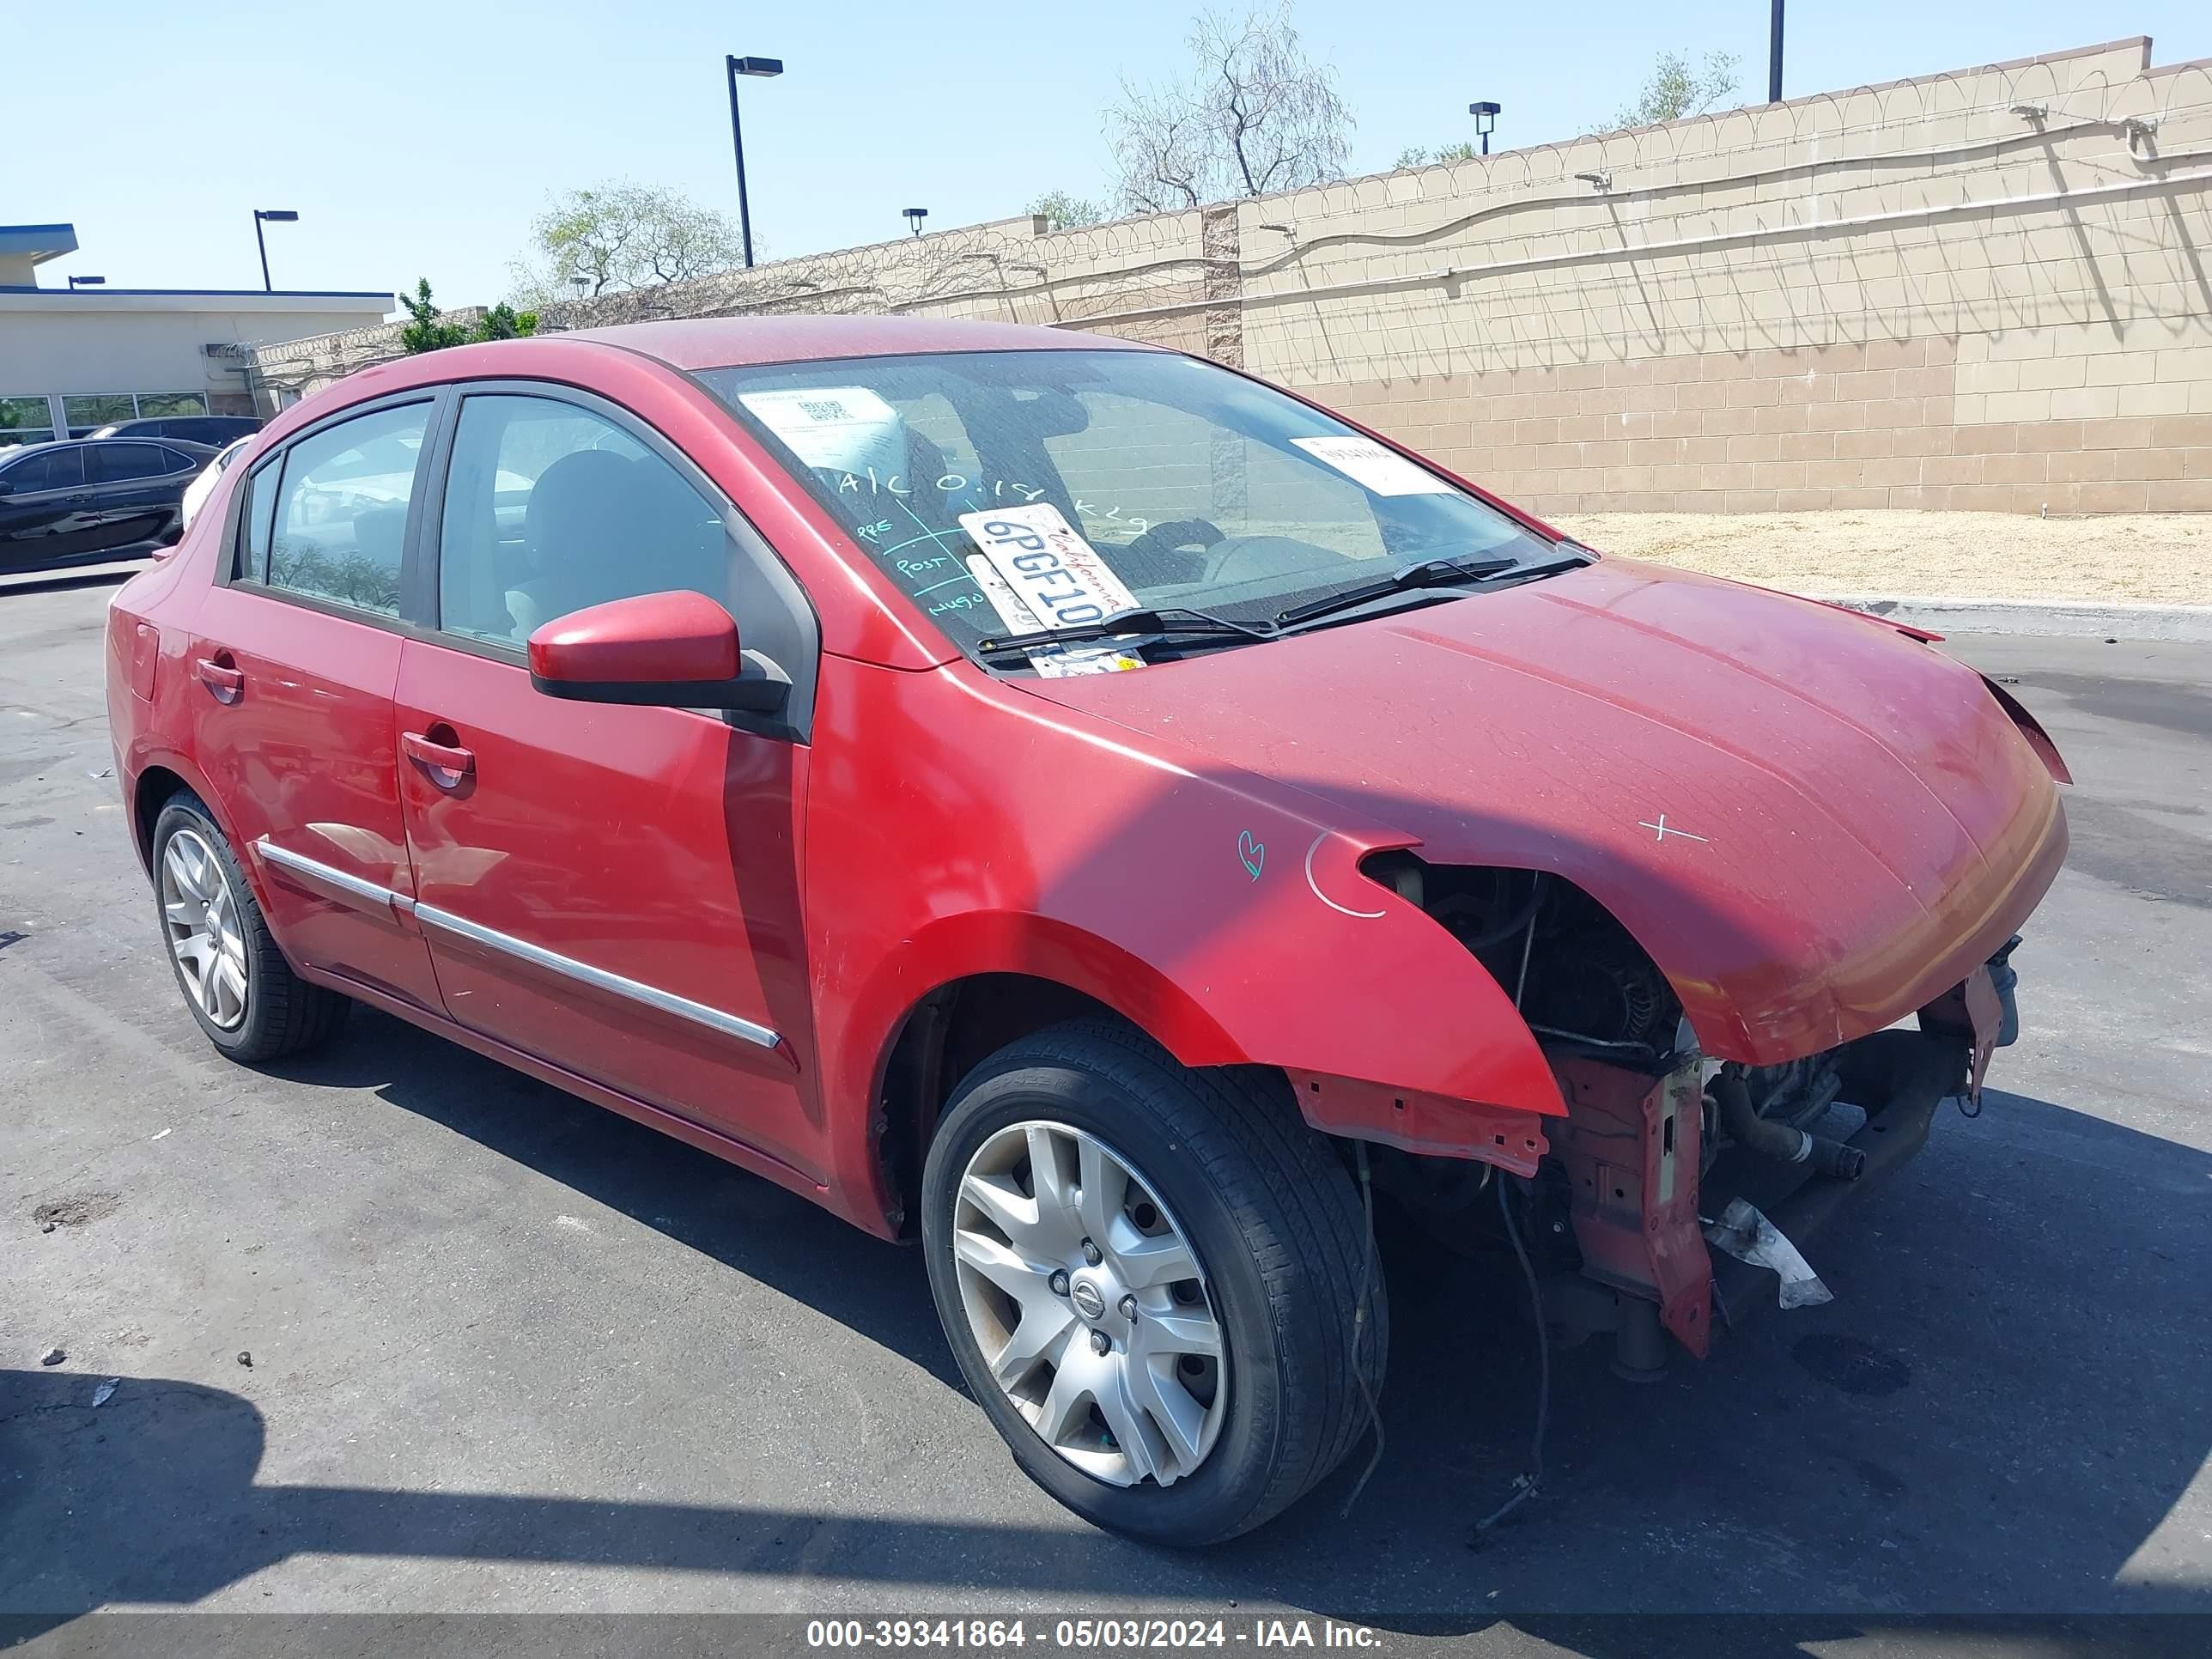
pixel 509 1352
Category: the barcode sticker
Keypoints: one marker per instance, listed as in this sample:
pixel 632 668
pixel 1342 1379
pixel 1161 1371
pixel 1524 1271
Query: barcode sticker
pixel 846 428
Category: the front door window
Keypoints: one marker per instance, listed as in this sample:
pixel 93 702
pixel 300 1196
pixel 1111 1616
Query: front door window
pixel 551 508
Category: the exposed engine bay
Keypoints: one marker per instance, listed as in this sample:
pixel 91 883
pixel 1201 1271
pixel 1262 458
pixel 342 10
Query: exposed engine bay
pixel 1659 1140
pixel 1577 977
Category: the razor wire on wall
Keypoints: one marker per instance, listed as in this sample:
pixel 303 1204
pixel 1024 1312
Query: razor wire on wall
pixel 2066 190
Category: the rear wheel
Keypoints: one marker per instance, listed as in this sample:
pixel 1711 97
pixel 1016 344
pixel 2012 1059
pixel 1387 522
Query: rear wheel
pixel 234 979
pixel 1152 1279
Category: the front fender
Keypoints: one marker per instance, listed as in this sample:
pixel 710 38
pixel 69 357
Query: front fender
pixel 1221 913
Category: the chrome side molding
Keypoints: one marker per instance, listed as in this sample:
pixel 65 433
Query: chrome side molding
pixel 429 916
pixel 553 962
pixel 285 859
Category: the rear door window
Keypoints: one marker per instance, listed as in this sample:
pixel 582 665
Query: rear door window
pixel 120 463
pixel 340 508
pixel 259 522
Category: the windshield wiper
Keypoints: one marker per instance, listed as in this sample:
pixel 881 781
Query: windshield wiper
pixel 1429 572
pixel 1178 621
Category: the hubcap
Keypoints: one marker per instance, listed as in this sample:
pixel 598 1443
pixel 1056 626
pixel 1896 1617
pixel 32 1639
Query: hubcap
pixel 1090 1305
pixel 201 920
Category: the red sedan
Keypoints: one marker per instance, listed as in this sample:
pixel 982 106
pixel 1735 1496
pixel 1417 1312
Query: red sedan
pixel 1091 811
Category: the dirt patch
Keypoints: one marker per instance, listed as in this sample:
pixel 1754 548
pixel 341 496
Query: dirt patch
pixel 2141 558
pixel 77 1210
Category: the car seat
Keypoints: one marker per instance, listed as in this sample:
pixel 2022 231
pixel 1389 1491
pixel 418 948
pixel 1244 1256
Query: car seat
pixel 601 526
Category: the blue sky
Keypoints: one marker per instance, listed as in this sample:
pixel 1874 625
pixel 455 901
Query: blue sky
pixel 420 141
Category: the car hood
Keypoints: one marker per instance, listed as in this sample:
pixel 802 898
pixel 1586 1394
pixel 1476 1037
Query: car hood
pixel 1813 823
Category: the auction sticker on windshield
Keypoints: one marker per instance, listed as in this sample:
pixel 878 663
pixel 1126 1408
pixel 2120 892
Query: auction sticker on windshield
pixel 1369 463
pixel 1039 573
pixel 846 428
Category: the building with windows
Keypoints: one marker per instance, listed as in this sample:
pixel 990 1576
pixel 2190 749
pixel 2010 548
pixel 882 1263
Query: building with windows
pixel 75 358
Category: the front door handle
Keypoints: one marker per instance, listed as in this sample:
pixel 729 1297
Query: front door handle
pixel 448 765
pixel 229 683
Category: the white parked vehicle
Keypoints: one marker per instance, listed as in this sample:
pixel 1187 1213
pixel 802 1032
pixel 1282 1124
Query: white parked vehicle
pixel 201 487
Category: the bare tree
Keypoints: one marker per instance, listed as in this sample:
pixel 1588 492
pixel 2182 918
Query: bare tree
pixel 612 238
pixel 1676 89
pixel 1255 115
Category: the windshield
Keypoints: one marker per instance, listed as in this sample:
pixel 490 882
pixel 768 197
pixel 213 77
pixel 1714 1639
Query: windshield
pixel 1007 492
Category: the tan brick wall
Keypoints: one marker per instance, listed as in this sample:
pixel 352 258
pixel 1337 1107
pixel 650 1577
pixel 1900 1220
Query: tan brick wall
pixel 1876 425
pixel 1984 289
pixel 1991 288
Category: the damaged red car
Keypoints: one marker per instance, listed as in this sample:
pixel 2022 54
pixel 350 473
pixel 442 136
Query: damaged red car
pixel 1095 814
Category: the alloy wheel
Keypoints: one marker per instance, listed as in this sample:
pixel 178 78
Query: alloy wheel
pixel 200 917
pixel 1090 1305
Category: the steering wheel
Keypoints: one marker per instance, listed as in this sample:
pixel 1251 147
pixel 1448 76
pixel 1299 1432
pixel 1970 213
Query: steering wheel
pixel 1155 544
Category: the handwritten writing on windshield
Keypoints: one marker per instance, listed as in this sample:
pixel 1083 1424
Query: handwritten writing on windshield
pixel 869 482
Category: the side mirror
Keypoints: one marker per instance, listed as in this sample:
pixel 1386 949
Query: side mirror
pixel 677 650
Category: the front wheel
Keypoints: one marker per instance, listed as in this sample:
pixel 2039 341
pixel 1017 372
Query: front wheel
pixel 1158 1281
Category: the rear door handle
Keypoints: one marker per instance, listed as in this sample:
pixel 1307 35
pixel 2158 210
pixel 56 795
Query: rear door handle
pixel 227 683
pixel 447 764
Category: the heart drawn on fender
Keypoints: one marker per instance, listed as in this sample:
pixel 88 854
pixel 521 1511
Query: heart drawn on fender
pixel 1253 852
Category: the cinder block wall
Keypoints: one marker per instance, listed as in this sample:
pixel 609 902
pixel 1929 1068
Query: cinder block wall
pixel 1991 288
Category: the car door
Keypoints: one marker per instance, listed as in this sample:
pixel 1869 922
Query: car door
pixel 610 889
pixel 294 657
pixel 45 510
pixel 135 489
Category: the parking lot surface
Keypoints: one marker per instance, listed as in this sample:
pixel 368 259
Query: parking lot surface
pixel 509 1352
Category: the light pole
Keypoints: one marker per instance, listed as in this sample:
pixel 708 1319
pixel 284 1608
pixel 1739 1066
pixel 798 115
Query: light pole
pixel 88 281
pixel 1485 121
pixel 1774 56
pixel 913 217
pixel 271 216
pixel 762 68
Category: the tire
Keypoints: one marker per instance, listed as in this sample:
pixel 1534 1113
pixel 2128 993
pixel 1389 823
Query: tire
pixel 282 1014
pixel 1273 1222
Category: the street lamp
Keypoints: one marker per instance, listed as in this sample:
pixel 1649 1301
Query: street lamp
pixel 88 281
pixel 269 216
pixel 764 69
pixel 1774 55
pixel 914 217
pixel 1485 121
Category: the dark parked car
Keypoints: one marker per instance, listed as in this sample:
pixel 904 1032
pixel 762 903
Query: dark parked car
pixel 90 499
pixel 213 431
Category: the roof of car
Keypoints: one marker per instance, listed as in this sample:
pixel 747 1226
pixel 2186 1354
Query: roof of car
pixel 139 422
pixel 728 341
pixel 186 447
pixel 193 444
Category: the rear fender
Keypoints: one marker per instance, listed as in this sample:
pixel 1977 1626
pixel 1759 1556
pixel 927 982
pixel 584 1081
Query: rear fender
pixel 144 756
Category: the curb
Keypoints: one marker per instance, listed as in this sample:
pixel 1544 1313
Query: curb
pixel 2076 619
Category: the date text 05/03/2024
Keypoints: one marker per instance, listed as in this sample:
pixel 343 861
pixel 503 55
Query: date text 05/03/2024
pixel 1093 1634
